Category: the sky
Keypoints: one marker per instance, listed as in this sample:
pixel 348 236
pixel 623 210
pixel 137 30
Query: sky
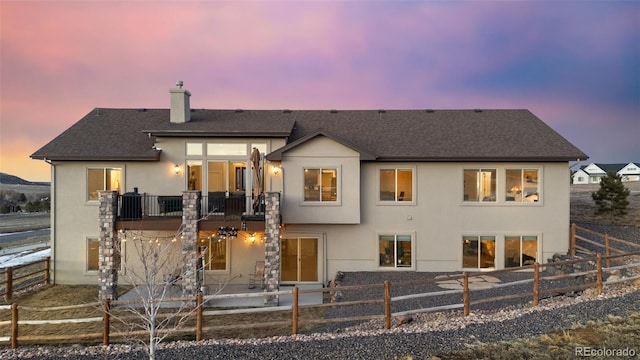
pixel 574 64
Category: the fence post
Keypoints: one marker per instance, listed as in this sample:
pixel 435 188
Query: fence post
pixel 47 271
pixel 8 287
pixel 199 316
pixel 14 325
pixel 106 306
pixel 387 304
pixel 465 292
pixel 607 250
pixel 536 283
pixel 572 240
pixel 294 312
pixel 599 273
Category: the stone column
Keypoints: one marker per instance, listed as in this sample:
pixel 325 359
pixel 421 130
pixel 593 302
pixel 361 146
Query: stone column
pixel 190 216
pixel 108 252
pixel 272 247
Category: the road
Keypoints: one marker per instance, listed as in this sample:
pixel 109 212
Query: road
pixel 21 236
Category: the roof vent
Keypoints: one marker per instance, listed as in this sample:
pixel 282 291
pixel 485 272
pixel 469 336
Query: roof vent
pixel 382 111
pixel 142 110
pixel 239 110
pixel 429 111
pixel 333 111
pixel 97 113
pixel 286 111
pixel 477 110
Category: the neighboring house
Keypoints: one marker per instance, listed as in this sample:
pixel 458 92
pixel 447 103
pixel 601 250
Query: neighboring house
pixel 370 190
pixel 592 173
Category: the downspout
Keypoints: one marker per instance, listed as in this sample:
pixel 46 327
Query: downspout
pixel 52 225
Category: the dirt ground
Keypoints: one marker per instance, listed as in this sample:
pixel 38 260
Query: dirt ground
pixel 583 207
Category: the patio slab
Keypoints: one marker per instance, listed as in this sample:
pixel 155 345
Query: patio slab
pixel 285 300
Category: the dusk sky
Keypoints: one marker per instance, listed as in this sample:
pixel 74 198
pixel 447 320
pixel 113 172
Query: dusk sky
pixel 574 64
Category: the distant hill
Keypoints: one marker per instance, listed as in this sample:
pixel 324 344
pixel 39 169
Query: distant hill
pixel 7 179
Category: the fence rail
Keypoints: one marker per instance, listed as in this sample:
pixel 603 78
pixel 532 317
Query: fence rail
pixel 203 316
pixel 23 276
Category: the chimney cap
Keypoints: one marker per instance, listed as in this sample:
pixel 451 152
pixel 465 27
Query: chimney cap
pixel 179 84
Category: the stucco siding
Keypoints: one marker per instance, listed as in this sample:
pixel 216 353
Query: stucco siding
pixel 321 152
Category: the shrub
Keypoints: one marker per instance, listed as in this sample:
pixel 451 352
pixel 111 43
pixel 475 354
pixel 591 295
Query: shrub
pixel 611 198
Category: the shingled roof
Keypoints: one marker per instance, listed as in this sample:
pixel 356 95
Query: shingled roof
pixel 390 135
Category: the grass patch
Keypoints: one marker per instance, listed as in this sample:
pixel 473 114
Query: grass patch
pixel 64 295
pixel 613 333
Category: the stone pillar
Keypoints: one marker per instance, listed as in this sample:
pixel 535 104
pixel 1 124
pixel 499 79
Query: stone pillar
pixel 272 247
pixel 190 216
pixel 108 252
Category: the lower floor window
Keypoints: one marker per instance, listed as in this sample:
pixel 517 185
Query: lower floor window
pixel 213 251
pixel 478 252
pixel 520 250
pixel 93 248
pixel 395 251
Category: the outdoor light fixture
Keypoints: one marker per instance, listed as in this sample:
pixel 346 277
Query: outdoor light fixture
pixel 253 239
pixel 176 169
pixel 227 232
pixel 276 170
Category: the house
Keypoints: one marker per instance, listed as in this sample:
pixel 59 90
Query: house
pixel 592 173
pixel 310 192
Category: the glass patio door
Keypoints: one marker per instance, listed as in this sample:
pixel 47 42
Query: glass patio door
pixel 299 260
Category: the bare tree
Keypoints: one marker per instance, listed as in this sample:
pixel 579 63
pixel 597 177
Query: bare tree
pixel 154 270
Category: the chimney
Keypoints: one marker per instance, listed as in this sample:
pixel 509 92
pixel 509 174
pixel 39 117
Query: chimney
pixel 180 109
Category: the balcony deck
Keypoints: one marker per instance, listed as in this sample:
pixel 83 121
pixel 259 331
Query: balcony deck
pixel 164 212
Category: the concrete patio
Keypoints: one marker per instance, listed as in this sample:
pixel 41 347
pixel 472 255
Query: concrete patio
pixel 175 291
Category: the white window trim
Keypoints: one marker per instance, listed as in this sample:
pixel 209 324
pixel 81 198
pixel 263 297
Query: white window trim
pixel 414 187
pixel 86 255
pixel 338 201
pixel 500 186
pixel 496 256
pixel 104 168
pixel 227 269
pixel 500 250
pixel 412 234
pixel 503 191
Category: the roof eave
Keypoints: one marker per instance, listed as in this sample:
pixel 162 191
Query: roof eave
pixel 204 133
pixel 480 159
pixel 154 157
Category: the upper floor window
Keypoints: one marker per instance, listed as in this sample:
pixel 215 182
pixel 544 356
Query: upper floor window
pixel 479 185
pixel 194 149
pixel 228 149
pixel 522 185
pixel 395 251
pixel 194 169
pixel 396 184
pixel 320 184
pixel 102 179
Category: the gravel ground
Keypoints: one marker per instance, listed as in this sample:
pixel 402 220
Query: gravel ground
pixel 427 335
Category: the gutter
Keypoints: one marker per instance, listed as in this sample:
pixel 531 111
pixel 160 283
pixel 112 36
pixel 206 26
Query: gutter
pixel 52 226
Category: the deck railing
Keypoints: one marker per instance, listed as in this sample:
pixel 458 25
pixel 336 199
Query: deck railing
pixel 135 206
